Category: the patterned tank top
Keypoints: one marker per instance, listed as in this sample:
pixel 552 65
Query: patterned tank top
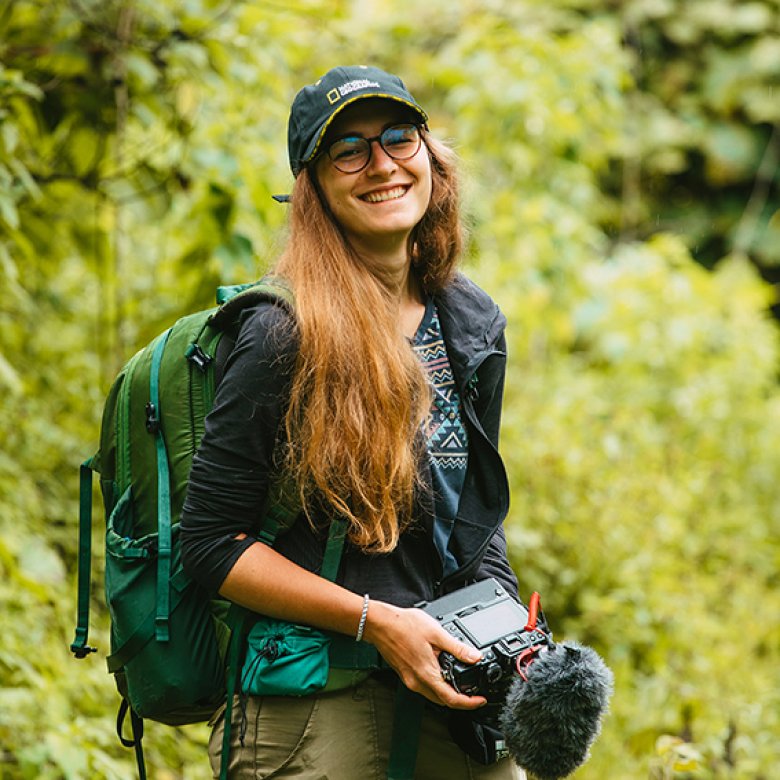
pixel 444 431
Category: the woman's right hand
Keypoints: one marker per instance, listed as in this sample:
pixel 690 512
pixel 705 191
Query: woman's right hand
pixel 411 642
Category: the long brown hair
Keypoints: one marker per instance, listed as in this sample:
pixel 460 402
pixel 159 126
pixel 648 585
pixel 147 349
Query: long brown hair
pixel 358 392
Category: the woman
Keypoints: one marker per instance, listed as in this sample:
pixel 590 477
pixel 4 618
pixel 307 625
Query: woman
pixel 383 395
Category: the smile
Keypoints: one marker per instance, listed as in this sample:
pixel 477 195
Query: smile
pixel 385 195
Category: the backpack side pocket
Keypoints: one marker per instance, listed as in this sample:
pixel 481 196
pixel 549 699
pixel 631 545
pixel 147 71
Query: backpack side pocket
pixel 150 673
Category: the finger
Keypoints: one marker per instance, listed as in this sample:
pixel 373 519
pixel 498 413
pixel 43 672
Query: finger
pixel 461 650
pixel 462 702
pixel 444 641
pixel 445 695
pixel 435 687
pixel 449 697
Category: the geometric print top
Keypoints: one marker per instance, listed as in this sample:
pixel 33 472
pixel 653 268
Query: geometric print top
pixel 444 431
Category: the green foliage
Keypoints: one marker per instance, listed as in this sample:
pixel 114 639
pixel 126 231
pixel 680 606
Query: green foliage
pixel 644 500
pixel 602 143
pixel 702 142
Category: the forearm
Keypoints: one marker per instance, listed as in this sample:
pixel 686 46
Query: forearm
pixel 408 639
pixel 266 582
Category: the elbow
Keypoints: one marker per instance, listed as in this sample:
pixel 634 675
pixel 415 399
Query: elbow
pixel 188 554
pixel 193 548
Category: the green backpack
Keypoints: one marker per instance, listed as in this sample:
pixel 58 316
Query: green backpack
pixel 177 654
pixel 169 640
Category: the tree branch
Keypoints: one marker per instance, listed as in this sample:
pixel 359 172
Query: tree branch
pixel 765 175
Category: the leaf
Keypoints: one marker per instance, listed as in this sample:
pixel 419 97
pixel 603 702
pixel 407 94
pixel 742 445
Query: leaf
pixel 8 210
pixel 142 72
pixel 40 564
pixel 83 147
pixel 25 178
pixel 9 378
pixel 733 151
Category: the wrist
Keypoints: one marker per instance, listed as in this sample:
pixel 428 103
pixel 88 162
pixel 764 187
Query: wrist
pixel 379 617
pixel 363 618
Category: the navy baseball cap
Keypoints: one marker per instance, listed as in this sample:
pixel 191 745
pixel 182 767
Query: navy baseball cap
pixel 317 105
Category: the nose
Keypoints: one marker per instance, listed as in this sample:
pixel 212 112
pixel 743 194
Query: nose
pixel 380 162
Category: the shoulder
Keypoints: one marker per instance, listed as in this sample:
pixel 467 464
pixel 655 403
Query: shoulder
pixel 266 331
pixel 268 314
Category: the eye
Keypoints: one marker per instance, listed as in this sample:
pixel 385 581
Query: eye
pixel 399 136
pixel 347 148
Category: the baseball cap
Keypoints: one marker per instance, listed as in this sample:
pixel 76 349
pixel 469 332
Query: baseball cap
pixel 316 106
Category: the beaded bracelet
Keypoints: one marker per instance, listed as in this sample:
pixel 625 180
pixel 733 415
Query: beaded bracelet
pixel 363 616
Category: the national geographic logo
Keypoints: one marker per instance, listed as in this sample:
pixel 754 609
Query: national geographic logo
pixel 351 86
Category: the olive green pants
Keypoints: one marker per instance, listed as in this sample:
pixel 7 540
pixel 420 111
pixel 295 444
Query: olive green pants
pixel 343 735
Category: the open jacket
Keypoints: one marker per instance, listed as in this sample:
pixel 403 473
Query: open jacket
pixel 232 469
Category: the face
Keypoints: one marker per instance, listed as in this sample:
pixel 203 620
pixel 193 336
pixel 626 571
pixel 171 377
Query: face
pixel 379 206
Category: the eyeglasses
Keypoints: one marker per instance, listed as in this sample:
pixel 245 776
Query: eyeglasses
pixel 353 152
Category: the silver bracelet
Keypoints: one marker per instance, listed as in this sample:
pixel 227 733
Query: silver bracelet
pixel 363 616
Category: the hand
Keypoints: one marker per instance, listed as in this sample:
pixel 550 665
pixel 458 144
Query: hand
pixel 411 641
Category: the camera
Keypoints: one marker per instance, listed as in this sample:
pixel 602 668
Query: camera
pixel 508 635
pixel 545 700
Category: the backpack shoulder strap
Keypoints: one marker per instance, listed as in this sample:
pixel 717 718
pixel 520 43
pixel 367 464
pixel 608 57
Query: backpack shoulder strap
pixel 216 338
pixel 162 630
pixel 282 504
pixel 234 299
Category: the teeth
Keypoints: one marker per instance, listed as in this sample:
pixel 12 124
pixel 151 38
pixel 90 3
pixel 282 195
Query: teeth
pixel 379 197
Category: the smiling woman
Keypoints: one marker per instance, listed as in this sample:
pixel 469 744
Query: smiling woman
pixel 380 200
pixel 365 402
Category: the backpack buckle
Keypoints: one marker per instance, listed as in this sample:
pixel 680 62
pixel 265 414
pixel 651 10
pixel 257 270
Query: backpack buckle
pixel 198 357
pixel 152 419
pixel 82 651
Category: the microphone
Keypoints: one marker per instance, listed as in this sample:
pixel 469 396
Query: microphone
pixel 553 709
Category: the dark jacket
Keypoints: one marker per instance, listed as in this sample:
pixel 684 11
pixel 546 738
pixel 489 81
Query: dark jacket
pixel 231 471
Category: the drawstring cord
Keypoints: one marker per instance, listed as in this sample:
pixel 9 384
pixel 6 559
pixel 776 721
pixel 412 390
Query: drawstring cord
pixel 270 651
pixel 243 699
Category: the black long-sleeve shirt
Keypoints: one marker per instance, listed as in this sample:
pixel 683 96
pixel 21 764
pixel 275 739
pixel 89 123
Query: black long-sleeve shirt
pixel 233 468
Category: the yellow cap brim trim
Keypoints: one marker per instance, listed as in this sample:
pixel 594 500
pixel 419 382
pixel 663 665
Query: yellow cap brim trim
pixel 350 101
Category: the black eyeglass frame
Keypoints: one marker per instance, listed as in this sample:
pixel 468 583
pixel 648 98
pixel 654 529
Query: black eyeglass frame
pixel 370 144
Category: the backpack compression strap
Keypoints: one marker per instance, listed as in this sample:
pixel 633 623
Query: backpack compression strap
pixel 157 622
pixel 161 623
pixel 79 647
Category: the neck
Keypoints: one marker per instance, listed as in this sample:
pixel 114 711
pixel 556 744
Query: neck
pixel 393 268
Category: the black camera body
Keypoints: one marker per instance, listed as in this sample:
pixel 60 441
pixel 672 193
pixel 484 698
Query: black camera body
pixel 545 700
pixel 486 617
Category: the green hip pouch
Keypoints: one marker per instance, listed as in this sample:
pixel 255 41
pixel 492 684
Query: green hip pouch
pixel 289 659
pixel 284 659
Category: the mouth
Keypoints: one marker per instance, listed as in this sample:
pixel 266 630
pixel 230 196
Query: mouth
pixel 382 196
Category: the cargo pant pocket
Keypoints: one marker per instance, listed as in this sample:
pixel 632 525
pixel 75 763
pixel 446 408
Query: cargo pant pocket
pixel 274 731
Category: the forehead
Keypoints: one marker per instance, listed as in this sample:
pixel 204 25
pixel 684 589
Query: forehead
pixel 368 117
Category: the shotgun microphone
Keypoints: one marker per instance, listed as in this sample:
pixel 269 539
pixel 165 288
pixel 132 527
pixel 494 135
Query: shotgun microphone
pixel 553 709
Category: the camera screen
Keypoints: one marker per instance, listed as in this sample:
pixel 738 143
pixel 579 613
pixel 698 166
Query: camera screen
pixel 488 625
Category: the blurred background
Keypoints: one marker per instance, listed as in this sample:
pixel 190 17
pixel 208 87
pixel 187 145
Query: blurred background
pixel 620 166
